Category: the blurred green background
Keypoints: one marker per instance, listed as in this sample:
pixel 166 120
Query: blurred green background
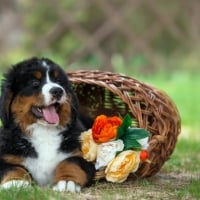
pixel 156 41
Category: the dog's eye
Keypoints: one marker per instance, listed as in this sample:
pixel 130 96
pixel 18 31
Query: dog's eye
pixel 35 83
pixel 58 81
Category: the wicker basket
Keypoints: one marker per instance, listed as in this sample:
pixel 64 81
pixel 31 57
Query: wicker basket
pixel 113 94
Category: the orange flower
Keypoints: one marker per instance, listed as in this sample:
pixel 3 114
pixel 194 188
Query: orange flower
pixel 105 128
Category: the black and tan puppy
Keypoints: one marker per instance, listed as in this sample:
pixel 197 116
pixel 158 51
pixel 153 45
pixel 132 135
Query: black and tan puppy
pixel 39 137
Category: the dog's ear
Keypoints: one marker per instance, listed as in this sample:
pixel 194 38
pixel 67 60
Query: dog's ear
pixel 6 99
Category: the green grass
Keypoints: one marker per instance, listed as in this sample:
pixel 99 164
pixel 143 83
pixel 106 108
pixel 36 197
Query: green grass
pixel 185 163
pixel 191 190
pixel 30 193
pixel 34 193
pixel 178 179
pixel 186 157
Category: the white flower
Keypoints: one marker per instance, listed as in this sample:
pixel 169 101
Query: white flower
pixel 144 143
pixel 107 151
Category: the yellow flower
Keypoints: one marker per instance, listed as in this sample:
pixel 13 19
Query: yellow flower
pixel 122 165
pixel 88 146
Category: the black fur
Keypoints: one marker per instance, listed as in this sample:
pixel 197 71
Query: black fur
pixel 12 142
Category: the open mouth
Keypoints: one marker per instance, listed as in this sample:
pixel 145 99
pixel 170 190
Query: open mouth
pixel 47 113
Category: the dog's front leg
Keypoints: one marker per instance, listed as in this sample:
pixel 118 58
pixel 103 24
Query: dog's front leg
pixel 12 172
pixel 72 174
pixel 15 177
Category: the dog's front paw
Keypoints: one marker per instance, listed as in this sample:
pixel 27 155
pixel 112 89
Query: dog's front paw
pixel 69 186
pixel 15 183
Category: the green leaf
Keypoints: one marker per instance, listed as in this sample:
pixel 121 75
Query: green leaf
pixel 131 137
pixel 136 133
pixel 127 121
pixel 131 144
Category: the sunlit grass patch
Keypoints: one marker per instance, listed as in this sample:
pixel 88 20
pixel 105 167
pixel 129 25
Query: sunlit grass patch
pixel 186 157
pixel 191 191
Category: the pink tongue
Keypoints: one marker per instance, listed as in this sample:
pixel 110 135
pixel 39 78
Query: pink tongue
pixel 50 115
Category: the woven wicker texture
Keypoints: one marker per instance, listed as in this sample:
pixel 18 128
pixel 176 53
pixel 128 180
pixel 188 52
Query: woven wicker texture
pixel 115 94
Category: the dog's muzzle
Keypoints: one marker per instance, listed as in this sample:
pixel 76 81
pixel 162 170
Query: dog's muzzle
pixel 56 92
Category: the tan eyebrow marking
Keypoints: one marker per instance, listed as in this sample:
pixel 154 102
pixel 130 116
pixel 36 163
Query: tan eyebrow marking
pixel 37 74
pixel 55 73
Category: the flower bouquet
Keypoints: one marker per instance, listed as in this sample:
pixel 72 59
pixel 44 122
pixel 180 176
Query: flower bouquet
pixel 116 146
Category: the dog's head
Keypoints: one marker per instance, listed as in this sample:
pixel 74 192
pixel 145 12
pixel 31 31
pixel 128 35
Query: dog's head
pixel 37 91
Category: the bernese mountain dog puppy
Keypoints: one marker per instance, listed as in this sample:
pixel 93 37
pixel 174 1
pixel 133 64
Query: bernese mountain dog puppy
pixel 39 137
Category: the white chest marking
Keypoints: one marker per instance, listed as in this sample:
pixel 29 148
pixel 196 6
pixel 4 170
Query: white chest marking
pixel 46 141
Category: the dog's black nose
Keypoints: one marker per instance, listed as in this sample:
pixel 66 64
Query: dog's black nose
pixel 56 92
